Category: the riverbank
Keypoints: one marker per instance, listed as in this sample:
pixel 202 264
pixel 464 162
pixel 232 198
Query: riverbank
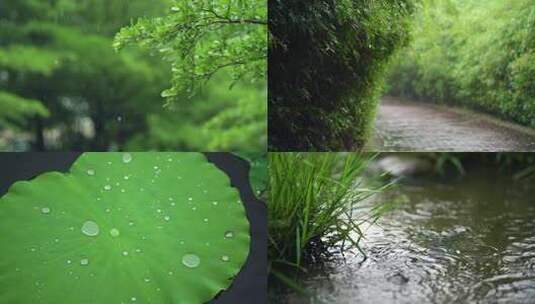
pixel 453 239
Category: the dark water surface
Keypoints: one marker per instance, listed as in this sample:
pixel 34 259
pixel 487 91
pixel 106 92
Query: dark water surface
pixel 470 240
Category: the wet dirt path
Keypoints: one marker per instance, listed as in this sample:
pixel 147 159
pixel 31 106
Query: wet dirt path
pixel 410 126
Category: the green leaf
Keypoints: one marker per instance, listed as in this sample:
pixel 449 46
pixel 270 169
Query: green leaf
pixel 258 175
pixel 29 59
pixel 122 228
pixel 16 108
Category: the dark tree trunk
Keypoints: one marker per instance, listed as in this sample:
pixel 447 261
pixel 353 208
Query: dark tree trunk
pixel 100 141
pixel 39 144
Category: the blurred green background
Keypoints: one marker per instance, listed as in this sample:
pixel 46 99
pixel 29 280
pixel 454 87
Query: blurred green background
pixel 64 87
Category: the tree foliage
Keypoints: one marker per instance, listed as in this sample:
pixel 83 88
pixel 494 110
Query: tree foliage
pixel 327 60
pixel 481 54
pixel 63 86
pixel 66 81
pixel 203 40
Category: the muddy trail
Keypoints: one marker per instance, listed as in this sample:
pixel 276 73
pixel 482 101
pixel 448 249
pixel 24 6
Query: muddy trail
pixel 411 126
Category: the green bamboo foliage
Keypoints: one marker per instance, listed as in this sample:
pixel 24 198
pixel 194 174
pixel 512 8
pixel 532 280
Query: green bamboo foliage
pixel 327 62
pixel 475 53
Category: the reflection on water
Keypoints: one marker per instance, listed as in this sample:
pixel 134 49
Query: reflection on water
pixel 470 240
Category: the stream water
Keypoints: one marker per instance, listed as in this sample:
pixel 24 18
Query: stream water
pixel 468 240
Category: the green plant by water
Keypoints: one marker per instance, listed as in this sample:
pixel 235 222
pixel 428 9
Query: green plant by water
pixel 312 197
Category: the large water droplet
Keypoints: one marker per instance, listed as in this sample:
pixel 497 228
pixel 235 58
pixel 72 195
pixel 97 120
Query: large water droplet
pixel 91 172
pixel 107 187
pixel 45 210
pixel 125 253
pixel 114 232
pixel 84 262
pixel 90 228
pixel 167 218
pixel 191 260
pixel 225 258
pixel 229 234
pixel 127 157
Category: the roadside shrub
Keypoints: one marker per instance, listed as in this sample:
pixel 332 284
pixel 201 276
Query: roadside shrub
pixel 326 62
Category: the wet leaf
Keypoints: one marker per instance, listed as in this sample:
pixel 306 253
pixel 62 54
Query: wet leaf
pixel 122 228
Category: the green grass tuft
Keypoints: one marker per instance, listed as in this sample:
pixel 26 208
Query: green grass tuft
pixel 312 197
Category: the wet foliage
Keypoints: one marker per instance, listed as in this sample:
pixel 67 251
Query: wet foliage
pixel 327 60
pixel 63 86
pixel 475 53
pixel 312 197
pixel 136 227
pixel 200 40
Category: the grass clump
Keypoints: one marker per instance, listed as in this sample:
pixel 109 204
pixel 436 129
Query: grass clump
pixel 312 197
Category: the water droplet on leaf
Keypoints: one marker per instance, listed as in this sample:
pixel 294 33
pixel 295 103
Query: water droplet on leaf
pixel 127 157
pixel 115 232
pixel 191 260
pixel 90 228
